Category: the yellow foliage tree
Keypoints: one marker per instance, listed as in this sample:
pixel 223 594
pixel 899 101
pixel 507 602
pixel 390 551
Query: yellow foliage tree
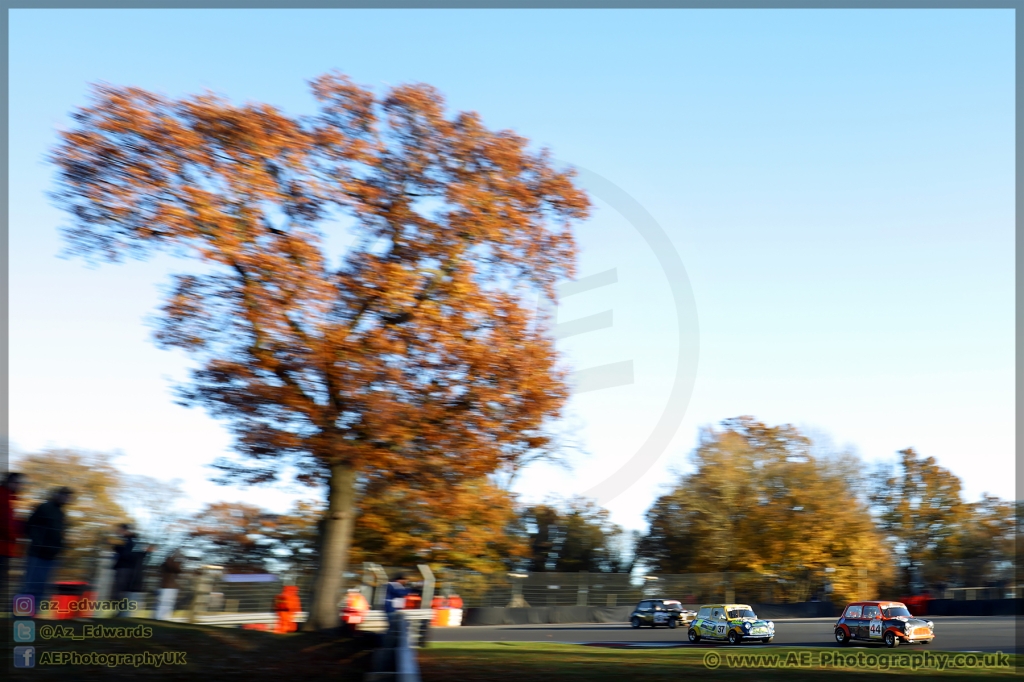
pixel 759 501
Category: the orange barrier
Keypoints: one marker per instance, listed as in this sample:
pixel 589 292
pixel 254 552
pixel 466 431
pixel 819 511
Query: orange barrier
pixel 447 612
pixel 72 593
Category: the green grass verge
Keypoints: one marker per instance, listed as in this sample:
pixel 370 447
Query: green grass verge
pixel 519 661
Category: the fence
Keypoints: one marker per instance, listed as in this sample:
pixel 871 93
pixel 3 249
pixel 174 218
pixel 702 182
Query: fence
pixel 599 589
pixel 225 596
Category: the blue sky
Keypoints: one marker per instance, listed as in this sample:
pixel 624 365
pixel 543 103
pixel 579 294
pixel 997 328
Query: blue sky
pixel 838 184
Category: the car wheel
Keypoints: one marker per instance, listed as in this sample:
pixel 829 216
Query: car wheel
pixel 672 624
pixel 694 637
pixel 841 637
pixel 891 640
pixel 734 637
pixel 634 621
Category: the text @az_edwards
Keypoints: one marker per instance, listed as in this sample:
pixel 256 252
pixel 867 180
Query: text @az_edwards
pixel 95 632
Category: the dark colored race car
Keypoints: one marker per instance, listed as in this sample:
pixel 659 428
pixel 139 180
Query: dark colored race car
pixel 882 621
pixel 655 612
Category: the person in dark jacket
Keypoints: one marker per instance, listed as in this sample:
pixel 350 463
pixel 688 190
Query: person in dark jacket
pixel 124 561
pixel 137 580
pixel 45 530
pixel 394 597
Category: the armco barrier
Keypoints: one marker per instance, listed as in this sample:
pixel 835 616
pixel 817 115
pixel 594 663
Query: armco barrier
pixel 815 609
pixel 620 614
pixel 546 614
pixel 979 607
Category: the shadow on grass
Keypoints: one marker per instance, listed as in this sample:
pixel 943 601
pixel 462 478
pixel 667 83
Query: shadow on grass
pixel 210 653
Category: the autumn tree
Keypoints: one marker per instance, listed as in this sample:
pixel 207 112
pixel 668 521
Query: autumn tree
pixel 574 536
pixel 985 545
pixel 469 525
pixel 237 536
pixel 761 501
pixel 941 539
pixel 94 511
pixel 920 508
pixel 414 356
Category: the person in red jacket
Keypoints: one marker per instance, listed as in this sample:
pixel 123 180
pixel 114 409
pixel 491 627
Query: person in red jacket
pixel 12 529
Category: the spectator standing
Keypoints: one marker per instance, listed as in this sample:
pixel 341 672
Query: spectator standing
pixel 137 581
pixel 394 597
pixel 12 529
pixel 124 562
pixel 170 569
pixel 45 530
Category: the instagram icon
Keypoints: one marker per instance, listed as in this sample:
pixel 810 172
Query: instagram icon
pixel 24 605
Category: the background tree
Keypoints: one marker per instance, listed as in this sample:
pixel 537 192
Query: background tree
pixel 153 507
pixel 984 548
pixel 761 501
pixel 579 537
pixel 94 511
pixel 239 537
pixel 416 358
pixel 920 509
pixel 467 526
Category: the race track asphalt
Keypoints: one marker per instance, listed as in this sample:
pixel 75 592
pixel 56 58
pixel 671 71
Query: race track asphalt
pixel 952 633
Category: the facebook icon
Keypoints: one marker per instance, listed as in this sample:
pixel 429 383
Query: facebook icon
pixel 24 657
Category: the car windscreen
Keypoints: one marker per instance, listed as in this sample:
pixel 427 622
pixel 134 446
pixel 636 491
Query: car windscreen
pixel 741 613
pixel 896 612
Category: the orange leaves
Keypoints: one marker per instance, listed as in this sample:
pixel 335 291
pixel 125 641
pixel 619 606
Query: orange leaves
pixel 415 353
pixel 469 525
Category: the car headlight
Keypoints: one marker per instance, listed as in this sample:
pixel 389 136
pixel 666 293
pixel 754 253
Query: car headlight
pixel 746 626
pixel 771 625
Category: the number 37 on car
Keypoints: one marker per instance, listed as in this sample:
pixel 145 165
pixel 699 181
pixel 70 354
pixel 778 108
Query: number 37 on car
pixel 734 622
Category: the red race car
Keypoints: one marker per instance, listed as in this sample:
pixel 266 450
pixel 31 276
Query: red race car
pixel 882 621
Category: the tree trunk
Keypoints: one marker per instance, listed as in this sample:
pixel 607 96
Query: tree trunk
pixel 335 542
